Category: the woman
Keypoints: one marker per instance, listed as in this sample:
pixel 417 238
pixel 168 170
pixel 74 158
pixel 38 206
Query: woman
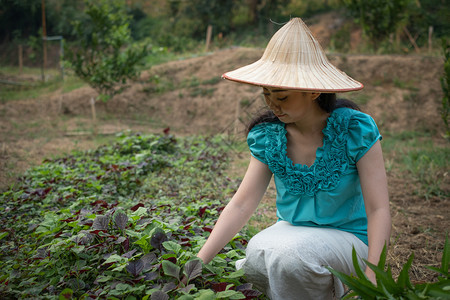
pixel 328 168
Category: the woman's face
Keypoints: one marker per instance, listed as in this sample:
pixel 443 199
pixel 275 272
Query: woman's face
pixel 288 105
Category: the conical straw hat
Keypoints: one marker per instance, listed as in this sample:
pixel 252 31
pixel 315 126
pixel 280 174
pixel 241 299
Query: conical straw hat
pixel 294 60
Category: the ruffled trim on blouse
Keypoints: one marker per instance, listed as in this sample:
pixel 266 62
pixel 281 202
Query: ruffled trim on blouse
pixel 331 159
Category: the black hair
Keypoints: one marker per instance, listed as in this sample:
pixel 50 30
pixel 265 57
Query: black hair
pixel 326 101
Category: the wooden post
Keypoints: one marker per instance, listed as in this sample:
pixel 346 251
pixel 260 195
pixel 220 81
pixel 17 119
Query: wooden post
pixel 94 115
pixel 411 39
pixel 237 115
pixel 44 41
pixel 20 59
pixel 430 42
pixel 208 37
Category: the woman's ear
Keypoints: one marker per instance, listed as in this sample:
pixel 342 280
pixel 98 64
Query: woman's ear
pixel 314 95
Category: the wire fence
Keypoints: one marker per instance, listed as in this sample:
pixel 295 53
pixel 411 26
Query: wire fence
pixel 17 54
pixel 23 57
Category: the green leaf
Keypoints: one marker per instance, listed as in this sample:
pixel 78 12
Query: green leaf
pixel 403 279
pixel 445 263
pixel 172 246
pixel 388 295
pixel 115 258
pixel 171 269
pixel 383 255
pixel 3 234
pixel 385 279
pixel 230 294
pixel 361 275
pixel 363 288
pixel 205 295
pixel 123 287
pixel 236 274
pixel 104 278
pixel 186 297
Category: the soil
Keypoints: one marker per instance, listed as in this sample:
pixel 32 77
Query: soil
pixel 188 96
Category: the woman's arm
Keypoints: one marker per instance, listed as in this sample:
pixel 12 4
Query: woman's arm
pixel 372 175
pixel 239 210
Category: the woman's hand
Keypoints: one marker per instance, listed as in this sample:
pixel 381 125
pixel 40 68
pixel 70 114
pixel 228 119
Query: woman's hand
pixel 371 275
pixel 239 210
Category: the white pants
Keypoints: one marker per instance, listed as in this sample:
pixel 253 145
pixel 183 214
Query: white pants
pixel 289 262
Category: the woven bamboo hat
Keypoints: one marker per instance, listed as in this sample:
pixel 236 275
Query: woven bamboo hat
pixel 294 60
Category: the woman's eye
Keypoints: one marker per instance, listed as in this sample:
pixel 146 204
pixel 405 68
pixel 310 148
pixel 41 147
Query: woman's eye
pixel 282 99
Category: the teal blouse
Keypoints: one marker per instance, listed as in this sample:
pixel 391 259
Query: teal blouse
pixel 328 193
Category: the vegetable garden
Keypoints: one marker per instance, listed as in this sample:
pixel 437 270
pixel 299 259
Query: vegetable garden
pixel 122 221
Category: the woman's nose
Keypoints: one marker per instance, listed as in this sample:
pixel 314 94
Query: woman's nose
pixel 272 105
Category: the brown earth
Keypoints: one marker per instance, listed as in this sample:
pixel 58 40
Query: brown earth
pixel 402 93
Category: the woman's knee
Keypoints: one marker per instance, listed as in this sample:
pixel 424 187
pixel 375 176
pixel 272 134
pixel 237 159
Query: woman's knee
pixel 282 258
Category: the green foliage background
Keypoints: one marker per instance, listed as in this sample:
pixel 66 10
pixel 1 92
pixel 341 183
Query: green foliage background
pixel 179 25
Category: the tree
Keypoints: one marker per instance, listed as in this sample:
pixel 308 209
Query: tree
pixel 379 18
pixel 102 55
pixel 20 19
pixel 14 24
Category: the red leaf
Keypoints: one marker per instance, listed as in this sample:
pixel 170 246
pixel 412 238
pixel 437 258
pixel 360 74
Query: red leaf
pixel 202 211
pixel 100 203
pixel 172 259
pixel 185 242
pixel 126 244
pixel 135 267
pixel 158 237
pixel 207 228
pixel 167 130
pixel 136 207
pixel 68 220
pixel 121 220
pixel 95 246
pixel 219 287
pixel 96 232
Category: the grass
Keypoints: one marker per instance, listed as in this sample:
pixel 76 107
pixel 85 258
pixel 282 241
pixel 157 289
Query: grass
pixel 405 85
pixel 162 84
pixel 33 87
pixel 422 160
pixel 360 97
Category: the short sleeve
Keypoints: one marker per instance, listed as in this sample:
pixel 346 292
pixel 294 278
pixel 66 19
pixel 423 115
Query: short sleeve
pixel 256 140
pixel 362 135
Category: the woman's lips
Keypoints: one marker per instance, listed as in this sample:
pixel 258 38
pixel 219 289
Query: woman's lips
pixel 280 115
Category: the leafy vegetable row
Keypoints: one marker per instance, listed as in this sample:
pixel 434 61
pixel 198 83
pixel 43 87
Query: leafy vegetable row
pixel 121 222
